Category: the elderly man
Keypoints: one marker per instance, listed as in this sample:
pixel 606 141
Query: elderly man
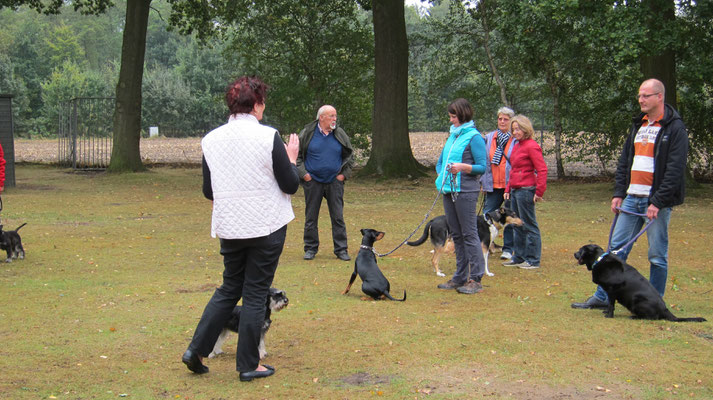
pixel 325 161
pixel 649 180
pixel 498 145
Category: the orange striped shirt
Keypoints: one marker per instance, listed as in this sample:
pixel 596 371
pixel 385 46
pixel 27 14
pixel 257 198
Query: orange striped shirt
pixel 642 169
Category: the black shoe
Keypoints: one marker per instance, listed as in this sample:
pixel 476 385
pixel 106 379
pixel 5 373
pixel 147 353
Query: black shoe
pixel 344 256
pixel 193 362
pixel 592 303
pixel 309 255
pixel 450 285
pixel 250 375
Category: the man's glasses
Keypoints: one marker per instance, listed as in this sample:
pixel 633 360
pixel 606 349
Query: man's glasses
pixel 646 96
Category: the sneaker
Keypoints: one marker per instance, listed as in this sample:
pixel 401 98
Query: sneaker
pixel 450 285
pixel 512 263
pixel 506 255
pixel 527 265
pixel 470 287
pixel 309 254
pixel 343 255
pixel 592 303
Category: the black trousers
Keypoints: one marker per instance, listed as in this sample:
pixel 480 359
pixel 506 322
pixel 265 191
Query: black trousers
pixel 334 193
pixel 250 266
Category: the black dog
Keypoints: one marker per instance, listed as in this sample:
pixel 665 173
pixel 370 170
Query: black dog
pixel 374 283
pixel 623 283
pixel 276 301
pixel 488 227
pixel 11 242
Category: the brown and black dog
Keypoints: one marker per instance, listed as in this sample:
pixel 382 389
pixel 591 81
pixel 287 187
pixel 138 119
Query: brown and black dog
pixel 488 228
pixel 374 283
pixel 623 283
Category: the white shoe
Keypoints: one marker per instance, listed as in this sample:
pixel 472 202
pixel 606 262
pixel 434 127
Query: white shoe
pixel 527 265
pixel 506 255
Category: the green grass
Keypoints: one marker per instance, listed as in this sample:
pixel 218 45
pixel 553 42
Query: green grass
pixel 119 268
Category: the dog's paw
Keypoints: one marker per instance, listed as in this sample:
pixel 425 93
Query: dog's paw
pixel 263 354
pixel 439 273
pixel 489 273
pixel 215 353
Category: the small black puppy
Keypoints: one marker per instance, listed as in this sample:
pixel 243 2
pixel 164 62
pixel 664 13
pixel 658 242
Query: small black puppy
pixel 623 283
pixel 276 301
pixel 11 242
pixel 374 283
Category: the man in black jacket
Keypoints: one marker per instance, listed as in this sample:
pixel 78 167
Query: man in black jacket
pixel 325 161
pixel 650 180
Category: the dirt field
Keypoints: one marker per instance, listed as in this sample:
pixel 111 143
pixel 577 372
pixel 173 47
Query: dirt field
pixel 426 148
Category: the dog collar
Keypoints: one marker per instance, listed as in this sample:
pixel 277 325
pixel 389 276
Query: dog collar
pixel 599 259
pixel 368 248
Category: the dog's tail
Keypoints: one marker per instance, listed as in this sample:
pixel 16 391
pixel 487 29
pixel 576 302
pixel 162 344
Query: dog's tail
pixel 18 228
pixel 423 237
pixel 668 316
pixel 388 296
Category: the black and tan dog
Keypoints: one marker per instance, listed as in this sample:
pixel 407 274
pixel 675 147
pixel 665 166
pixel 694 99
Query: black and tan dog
pixel 488 227
pixel 276 301
pixel 11 242
pixel 623 283
pixel 374 283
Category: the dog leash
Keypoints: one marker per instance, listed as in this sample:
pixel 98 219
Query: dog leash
pixel 428 214
pixel 630 242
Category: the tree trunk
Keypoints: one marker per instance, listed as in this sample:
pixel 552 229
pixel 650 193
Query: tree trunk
pixel 126 153
pixel 391 154
pixel 483 10
pixel 662 64
pixel 550 76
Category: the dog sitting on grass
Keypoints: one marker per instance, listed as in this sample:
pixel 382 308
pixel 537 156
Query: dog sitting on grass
pixel 623 283
pixel 276 301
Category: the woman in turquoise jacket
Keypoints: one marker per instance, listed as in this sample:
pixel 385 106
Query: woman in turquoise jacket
pixel 459 167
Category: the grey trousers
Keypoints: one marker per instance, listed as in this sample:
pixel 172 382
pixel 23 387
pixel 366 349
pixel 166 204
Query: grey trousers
pixel 334 193
pixel 463 224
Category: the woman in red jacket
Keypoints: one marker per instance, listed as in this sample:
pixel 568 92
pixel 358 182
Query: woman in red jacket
pixel 527 185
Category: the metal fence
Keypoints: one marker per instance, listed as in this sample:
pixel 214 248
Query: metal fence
pixel 85 132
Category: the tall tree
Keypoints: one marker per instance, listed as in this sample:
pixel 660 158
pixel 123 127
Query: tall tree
pixel 658 57
pixel 126 152
pixel 127 113
pixel 391 154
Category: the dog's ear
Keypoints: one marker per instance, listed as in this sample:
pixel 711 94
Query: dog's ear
pixel 362 232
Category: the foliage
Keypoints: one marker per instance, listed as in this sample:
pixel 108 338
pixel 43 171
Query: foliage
pixel 310 54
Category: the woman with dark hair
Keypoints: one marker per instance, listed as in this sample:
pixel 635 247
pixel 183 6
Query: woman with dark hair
pixel 249 174
pixel 459 167
pixel 527 185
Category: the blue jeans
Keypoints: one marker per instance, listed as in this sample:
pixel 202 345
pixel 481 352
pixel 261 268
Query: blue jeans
pixel 493 201
pixel 627 226
pixel 527 241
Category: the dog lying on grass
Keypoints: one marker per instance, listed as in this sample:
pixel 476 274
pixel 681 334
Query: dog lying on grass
pixel 11 242
pixel 374 283
pixel 276 301
pixel 623 283
pixel 488 227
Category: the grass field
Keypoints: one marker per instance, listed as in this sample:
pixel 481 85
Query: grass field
pixel 119 268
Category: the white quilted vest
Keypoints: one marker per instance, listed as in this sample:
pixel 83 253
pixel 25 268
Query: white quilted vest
pixel 247 202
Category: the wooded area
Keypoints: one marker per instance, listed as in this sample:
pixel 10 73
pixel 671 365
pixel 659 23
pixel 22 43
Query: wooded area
pixel 573 67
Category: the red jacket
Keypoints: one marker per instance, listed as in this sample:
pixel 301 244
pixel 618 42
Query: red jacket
pixel 528 167
pixel 2 169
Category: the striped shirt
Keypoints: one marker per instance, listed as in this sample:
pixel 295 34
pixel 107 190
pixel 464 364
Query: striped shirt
pixel 642 169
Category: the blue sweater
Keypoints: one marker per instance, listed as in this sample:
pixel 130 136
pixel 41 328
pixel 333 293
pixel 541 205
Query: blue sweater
pixel 464 145
pixel 324 157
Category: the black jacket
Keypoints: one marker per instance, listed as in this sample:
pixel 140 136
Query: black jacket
pixel 670 155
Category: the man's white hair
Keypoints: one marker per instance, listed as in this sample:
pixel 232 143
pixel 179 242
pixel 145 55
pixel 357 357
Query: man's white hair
pixel 323 110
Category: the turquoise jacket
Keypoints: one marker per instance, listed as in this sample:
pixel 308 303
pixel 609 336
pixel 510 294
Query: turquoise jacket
pixel 464 145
